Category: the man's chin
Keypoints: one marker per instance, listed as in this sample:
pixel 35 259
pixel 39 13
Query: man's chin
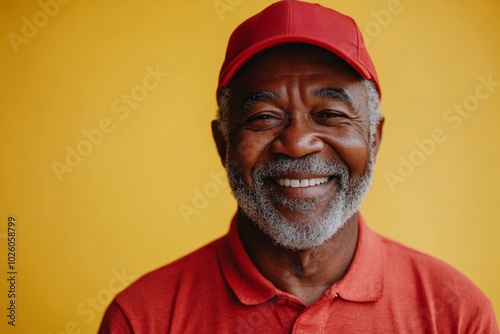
pixel 300 231
pixel 300 235
pixel 303 219
pixel 303 211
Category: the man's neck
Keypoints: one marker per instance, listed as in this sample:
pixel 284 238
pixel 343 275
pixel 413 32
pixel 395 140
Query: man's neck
pixel 306 274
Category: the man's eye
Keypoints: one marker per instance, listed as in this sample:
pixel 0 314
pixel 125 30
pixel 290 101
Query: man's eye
pixel 331 118
pixel 330 114
pixel 260 117
pixel 263 117
pixel 263 121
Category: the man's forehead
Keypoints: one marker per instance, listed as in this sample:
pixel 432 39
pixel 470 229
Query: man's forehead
pixel 294 59
pixel 298 51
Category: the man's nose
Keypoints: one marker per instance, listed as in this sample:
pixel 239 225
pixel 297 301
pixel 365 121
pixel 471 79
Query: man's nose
pixel 297 139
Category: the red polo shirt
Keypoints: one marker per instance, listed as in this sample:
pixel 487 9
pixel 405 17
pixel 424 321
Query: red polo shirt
pixel 389 288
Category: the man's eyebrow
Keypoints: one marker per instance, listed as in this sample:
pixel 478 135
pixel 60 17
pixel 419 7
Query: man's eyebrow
pixel 257 97
pixel 333 93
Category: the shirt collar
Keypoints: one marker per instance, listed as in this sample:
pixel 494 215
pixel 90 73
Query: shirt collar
pixel 363 281
pixel 243 277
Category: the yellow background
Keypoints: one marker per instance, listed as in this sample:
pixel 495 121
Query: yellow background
pixel 118 212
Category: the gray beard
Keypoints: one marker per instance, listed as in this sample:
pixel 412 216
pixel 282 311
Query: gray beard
pixel 258 204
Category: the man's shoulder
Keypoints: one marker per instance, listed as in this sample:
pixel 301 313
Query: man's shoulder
pixel 425 269
pixel 438 289
pixel 400 257
pixel 161 284
pixel 150 303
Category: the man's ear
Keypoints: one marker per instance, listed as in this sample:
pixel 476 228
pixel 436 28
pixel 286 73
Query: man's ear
pixel 220 141
pixel 378 135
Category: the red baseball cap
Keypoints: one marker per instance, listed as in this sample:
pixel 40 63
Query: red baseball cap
pixel 290 21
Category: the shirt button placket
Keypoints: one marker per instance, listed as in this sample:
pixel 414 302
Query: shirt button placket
pixel 312 320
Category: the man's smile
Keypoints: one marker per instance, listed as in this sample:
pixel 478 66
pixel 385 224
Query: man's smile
pixel 303 186
pixel 301 183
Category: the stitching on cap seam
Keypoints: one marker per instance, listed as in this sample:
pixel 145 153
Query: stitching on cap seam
pixel 290 4
pixel 357 37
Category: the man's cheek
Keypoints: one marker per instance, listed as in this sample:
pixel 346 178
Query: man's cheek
pixel 244 153
pixel 239 164
pixel 244 148
pixel 354 152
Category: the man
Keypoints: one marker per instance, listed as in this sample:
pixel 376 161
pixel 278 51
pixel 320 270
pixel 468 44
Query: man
pixel 298 131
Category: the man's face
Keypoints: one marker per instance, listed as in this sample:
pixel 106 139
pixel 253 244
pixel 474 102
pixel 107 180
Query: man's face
pixel 299 135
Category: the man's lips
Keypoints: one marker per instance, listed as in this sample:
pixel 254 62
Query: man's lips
pixel 301 183
pixel 303 186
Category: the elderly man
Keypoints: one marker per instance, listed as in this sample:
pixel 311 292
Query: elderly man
pixel 298 131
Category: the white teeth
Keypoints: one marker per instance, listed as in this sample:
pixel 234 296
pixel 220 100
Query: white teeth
pixel 302 183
